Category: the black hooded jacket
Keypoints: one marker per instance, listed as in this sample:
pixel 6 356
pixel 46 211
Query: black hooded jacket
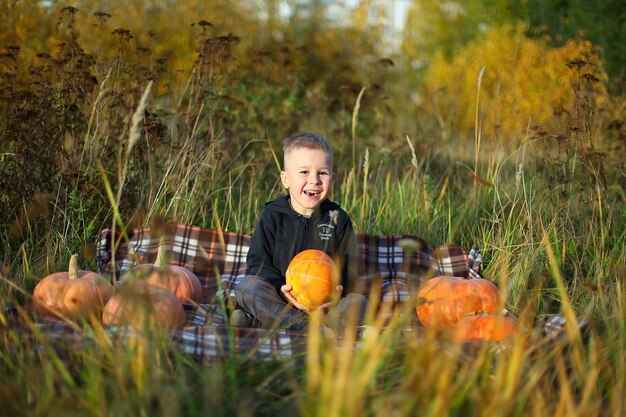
pixel 281 233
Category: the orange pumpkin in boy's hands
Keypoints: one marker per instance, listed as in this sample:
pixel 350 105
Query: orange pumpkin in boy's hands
pixel 312 275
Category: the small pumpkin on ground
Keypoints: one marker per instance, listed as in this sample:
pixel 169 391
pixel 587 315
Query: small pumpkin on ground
pixel 444 300
pixel 182 282
pixel 484 327
pixel 140 303
pixel 73 295
pixel 313 276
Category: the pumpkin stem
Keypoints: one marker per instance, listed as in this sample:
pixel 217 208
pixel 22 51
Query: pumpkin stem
pixel 161 260
pixel 73 268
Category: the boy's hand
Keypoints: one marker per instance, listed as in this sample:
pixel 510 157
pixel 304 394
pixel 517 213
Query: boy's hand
pixel 286 290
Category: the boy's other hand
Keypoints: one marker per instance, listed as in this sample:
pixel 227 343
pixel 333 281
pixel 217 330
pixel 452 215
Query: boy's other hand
pixel 286 290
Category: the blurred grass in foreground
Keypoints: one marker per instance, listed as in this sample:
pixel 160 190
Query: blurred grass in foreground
pixel 548 211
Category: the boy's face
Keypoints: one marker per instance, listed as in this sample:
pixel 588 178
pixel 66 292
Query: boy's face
pixel 308 176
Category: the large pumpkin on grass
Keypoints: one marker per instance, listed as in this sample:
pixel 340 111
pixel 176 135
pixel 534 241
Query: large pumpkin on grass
pixel 444 300
pixel 484 327
pixel 73 295
pixel 182 282
pixel 313 276
pixel 138 303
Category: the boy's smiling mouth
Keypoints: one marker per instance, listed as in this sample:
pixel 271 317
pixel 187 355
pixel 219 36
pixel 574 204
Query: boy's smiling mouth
pixel 311 193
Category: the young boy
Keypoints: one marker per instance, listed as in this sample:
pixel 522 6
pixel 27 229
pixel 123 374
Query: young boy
pixel 303 219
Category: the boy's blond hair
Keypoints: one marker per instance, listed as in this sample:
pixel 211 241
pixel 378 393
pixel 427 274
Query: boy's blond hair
pixel 306 140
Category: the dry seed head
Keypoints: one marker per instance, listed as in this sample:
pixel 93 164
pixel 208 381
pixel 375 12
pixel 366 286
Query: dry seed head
pixel 203 24
pixel 413 156
pixel 70 10
pixel 590 77
pixel 386 62
pixel 102 15
pixel 576 64
pixel 124 34
pixel 7 56
pixel 366 161
pixel 12 49
pixel 138 117
pixel 102 18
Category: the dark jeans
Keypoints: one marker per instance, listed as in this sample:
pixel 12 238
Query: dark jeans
pixel 262 301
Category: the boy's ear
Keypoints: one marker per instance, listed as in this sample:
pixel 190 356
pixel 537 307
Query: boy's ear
pixel 283 179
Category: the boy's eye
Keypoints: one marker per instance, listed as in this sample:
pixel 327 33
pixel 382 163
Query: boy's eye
pixel 320 173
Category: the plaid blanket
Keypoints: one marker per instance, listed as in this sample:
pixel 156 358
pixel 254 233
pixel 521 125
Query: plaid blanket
pixel 219 258
pixel 388 267
pixel 200 343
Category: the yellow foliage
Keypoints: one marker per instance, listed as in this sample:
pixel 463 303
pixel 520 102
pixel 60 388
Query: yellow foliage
pixel 524 81
pixel 140 38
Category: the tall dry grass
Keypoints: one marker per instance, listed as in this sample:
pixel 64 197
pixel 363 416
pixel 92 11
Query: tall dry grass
pixel 546 210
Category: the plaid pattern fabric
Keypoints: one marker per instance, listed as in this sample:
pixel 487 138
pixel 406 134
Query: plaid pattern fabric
pixel 219 258
pixel 206 342
pixel 388 269
pixel 201 343
pixel 398 270
pixel 198 342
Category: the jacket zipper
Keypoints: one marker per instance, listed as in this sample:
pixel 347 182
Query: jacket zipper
pixel 306 221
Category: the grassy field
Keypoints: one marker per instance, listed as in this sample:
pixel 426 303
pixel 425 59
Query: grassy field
pixel 93 134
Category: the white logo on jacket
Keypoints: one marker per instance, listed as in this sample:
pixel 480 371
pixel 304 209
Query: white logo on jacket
pixel 325 230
